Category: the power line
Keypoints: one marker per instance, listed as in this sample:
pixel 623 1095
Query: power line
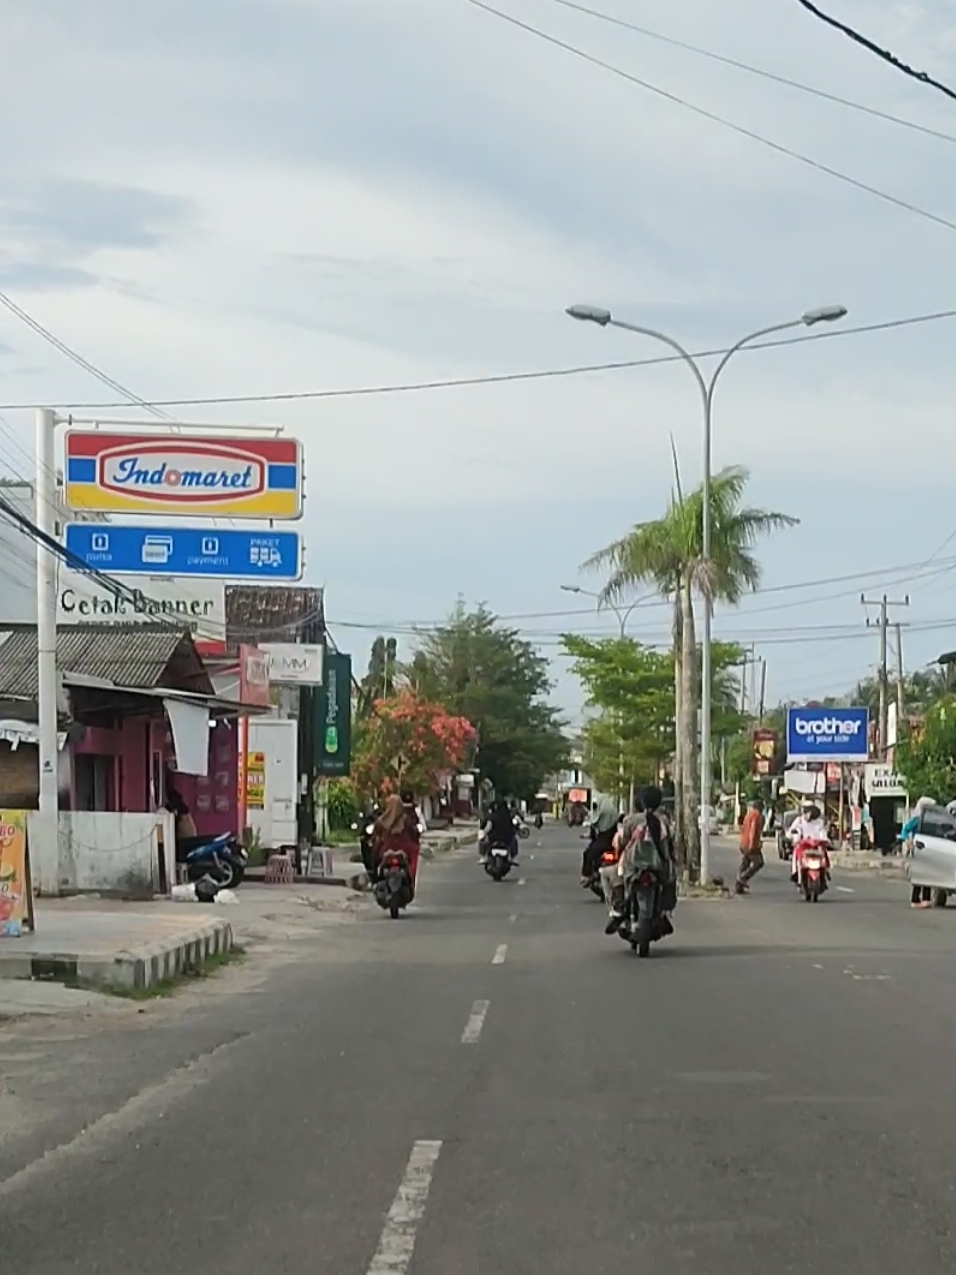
pixel 740 129
pixel 885 54
pixel 78 359
pixel 758 71
pixel 495 378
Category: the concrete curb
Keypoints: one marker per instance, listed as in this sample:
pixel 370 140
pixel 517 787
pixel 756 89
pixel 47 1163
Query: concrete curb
pixel 131 969
pixel 891 868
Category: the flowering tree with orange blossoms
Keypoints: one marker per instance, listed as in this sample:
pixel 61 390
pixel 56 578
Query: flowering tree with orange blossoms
pixel 408 742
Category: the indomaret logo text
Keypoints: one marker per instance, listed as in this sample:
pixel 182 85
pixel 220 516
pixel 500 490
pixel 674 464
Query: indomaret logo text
pixel 182 473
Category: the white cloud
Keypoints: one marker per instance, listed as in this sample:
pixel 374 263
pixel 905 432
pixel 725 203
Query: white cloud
pixel 334 195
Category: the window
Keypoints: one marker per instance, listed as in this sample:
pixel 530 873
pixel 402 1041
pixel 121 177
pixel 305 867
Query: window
pixel 937 822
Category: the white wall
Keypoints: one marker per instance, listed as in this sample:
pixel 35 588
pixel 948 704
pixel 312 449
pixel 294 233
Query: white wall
pixel 104 850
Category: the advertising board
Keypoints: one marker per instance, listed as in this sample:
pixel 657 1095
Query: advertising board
pixel 183 475
pixel 816 733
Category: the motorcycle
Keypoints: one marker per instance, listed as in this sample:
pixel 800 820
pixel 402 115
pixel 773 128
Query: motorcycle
pixel 222 858
pixel 813 873
pixel 393 889
pixel 498 862
pixel 524 832
pixel 539 820
pixel 644 923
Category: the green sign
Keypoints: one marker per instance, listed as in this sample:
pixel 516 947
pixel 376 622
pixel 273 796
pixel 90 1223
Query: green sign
pixel 333 716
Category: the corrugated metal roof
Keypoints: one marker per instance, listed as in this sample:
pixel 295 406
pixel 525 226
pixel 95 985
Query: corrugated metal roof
pixel 135 655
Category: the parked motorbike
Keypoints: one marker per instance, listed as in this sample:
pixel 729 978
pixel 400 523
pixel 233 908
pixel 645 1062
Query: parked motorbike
pixel 393 889
pixel 644 923
pixel 524 832
pixel 813 875
pixel 222 858
pixel 498 862
pixel 539 820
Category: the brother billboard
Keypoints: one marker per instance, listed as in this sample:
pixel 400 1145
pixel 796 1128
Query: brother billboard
pixel 827 734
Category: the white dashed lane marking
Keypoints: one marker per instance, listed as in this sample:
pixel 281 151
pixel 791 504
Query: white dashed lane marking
pixel 476 1020
pixel 845 889
pixel 500 953
pixel 394 1253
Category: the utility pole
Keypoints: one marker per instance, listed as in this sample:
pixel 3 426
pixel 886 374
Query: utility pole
pixel 884 604
pixel 899 675
pixel 44 852
pixel 763 690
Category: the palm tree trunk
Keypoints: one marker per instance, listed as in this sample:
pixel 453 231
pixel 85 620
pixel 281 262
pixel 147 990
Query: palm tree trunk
pixel 688 731
pixel 679 840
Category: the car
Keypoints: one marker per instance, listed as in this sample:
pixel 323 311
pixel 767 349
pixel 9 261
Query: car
pixel 784 837
pixel 933 861
pixel 711 815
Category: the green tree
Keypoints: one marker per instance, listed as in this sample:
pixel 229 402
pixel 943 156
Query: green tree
pixel 927 756
pixel 632 686
pixel 485 672
pixel 667 554
pixel 379 682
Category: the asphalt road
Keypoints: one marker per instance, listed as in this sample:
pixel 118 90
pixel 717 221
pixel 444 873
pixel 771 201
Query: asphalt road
pixel 492 1087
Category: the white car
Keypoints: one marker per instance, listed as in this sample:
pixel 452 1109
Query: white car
pixel 711 815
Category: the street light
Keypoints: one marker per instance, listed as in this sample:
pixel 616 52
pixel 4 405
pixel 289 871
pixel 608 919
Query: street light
pixel 604 318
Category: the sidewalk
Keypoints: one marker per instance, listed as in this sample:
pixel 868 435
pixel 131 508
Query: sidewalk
pixel 892 867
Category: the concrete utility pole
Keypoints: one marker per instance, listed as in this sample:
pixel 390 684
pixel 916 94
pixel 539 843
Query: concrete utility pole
pixel 45 851
pixel 882 624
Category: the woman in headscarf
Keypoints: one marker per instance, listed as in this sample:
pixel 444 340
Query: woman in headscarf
pixel 921 896
pixel 603 827
pixel 397 828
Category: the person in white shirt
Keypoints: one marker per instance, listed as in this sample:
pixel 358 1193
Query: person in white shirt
pixel 808 826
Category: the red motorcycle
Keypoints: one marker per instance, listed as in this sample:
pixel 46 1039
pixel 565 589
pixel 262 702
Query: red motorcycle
pixel 812 868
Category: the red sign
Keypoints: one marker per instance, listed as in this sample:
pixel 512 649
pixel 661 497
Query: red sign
pixel 254 677
pixel 182 473
pixel 764 751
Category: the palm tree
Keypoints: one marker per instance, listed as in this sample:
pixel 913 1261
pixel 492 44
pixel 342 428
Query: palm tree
pixel 668 555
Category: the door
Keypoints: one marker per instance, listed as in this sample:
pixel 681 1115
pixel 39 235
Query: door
pixel 277 739
pixel 934 850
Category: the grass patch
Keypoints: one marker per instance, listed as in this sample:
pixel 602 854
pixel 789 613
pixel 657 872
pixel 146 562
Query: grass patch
pixel 167 986
pixel 342 837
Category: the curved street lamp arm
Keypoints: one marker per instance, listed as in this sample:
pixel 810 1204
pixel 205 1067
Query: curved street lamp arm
pixel 675 346
pixel 745 340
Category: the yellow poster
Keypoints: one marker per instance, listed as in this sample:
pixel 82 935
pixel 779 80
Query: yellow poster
pixel 16 897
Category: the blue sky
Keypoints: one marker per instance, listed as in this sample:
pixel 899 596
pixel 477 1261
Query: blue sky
pixel 271 195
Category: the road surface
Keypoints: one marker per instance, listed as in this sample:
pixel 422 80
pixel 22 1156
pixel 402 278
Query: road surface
pixel 492 1087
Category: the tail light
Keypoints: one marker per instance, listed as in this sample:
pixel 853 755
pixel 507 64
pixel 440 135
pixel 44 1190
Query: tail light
pixel 609 856
pixel 393 861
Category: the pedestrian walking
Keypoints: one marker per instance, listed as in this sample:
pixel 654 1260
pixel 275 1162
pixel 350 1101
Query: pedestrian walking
pixel 751 856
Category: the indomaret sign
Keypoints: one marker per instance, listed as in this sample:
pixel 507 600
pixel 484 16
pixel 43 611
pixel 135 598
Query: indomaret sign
pixel 183 474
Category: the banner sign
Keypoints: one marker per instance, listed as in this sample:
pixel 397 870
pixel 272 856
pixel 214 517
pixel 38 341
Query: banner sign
pixel 294 663
pixel 256 781
pixel 881 780
pixel 333 716
pixel 16 894
pixel 253 677
pixel 200 605
pixel 183 475
pixel 827 734
pixel 186 551
pixel 764 751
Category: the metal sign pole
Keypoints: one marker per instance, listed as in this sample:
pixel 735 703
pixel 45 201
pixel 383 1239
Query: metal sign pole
pixel 44 851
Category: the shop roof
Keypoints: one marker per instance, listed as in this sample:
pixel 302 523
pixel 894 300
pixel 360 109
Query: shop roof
pixel 141 656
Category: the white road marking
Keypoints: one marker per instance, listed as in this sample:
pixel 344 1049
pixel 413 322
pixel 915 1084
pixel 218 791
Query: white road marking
pixel 845 889
pixel 394 1253
pixel 513 917
pixel 866 978
pixel 500 953
pixel 532 856
pixel 476 1020
pixel 818 967
pixel 522 881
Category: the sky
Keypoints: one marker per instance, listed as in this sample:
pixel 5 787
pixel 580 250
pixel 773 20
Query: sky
pixel 253 197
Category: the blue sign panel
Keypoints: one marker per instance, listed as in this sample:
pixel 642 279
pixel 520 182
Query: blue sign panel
pixel 184 551
pixel 827 734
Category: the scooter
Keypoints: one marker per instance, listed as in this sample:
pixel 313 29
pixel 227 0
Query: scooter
pixel 222 858
pixel 813 873
pixel 539 820
pixel 644 923
pixel 498 861
pixel 393 889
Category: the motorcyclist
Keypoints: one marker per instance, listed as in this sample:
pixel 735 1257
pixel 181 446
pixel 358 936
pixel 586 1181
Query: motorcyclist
pixel 398 828
pixel 500 829
pixel 648 823
pixel 808 826
pixel 603 827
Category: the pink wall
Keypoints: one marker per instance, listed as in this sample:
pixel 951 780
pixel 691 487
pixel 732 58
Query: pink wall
pixel 213 798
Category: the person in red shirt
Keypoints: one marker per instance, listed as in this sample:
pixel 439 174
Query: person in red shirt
pixel 751 856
